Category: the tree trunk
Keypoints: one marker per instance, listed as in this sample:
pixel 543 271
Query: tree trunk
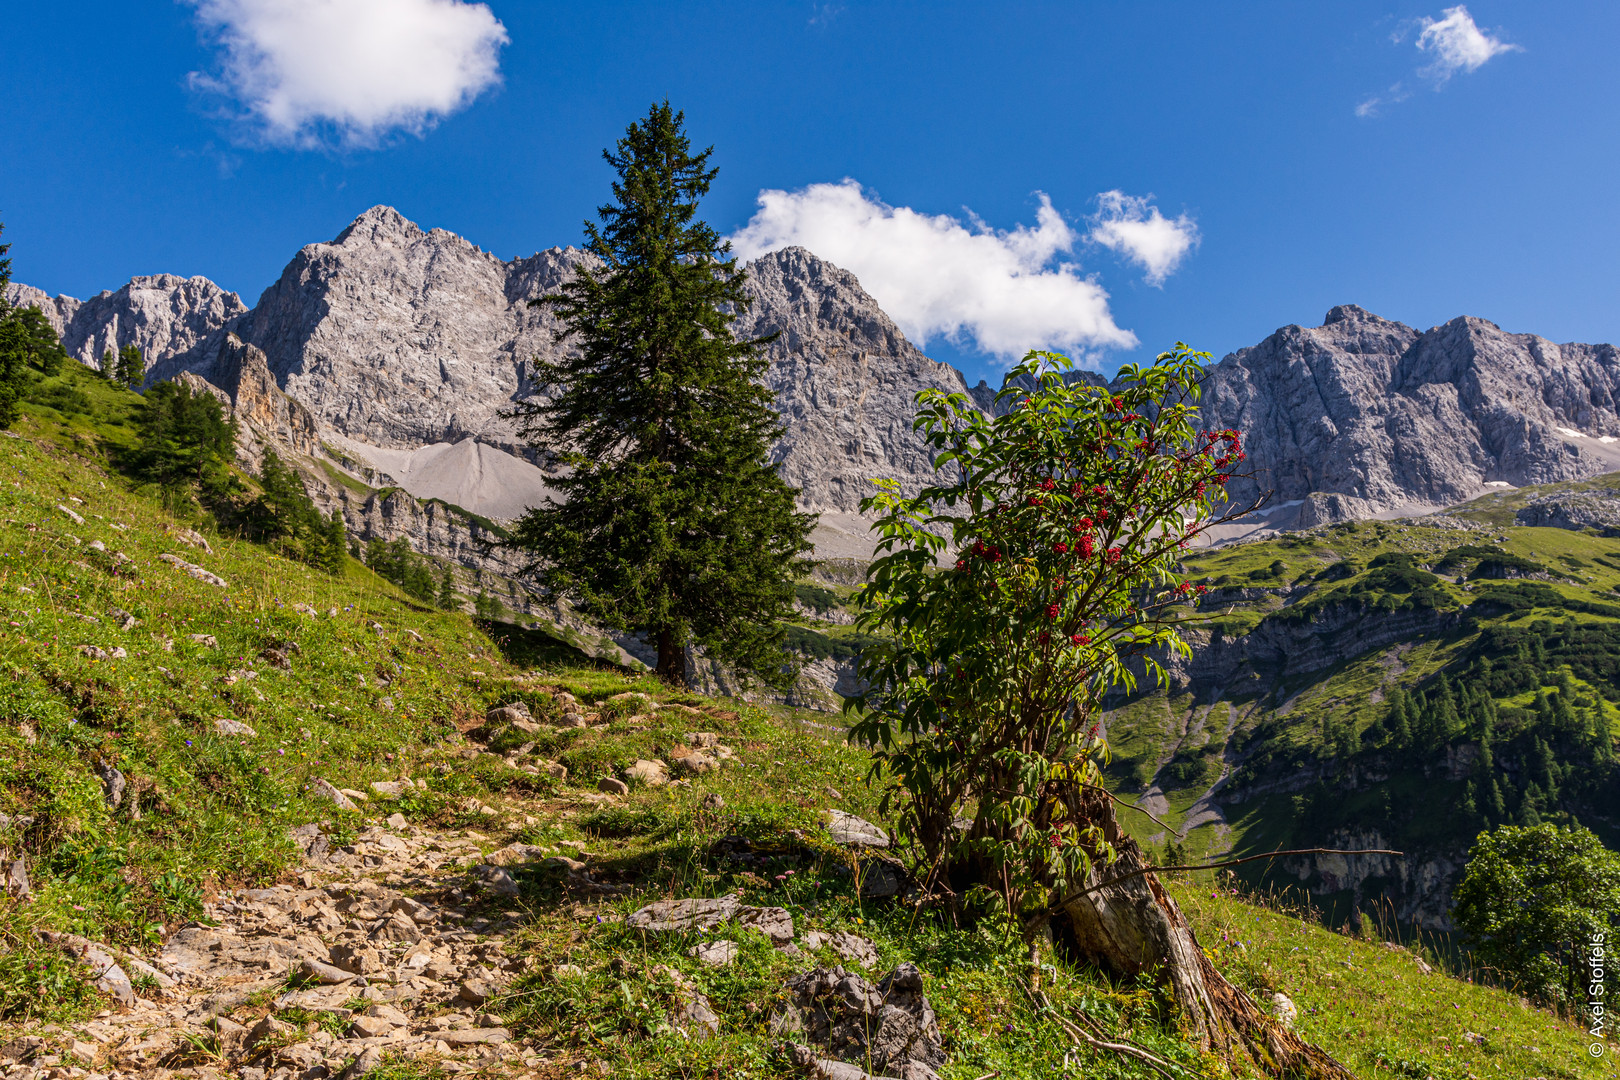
pixel 671 658
pixel 1134 926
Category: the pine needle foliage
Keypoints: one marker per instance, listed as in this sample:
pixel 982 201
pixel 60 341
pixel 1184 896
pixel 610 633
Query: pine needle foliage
pixel 673 519
pixel 27 341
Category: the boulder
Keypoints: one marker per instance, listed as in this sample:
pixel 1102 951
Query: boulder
pixel 649 773
pixel 889 1027
pixel 774 922
pixel 1284 1009
pixel 851 947
pixel 678 916
pixel 323 789
pixel 694 763
pixel 847 830
pixel 714 953
pixel 881 878
pixel 501 715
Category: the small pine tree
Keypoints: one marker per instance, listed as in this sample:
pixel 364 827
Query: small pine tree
pixel 333 544
pixel 109 365
pixel 186 444
pixel 26 341
pixel 447 591
pixel 485 607
pixel 131 369
pixel 1400 720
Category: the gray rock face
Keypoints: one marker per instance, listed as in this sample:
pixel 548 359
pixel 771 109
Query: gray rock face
pixel 1362 416
pixel 844 378
pixel 170 318
pixel 1574 510
pixel 400 338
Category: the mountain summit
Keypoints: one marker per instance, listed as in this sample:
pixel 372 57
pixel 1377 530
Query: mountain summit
pixel 397 338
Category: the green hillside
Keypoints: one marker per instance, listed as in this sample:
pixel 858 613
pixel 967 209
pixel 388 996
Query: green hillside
pixel 1412 681
pixel 116 659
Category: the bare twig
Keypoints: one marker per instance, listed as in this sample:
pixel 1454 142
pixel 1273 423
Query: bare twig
pixel 1081 1037
pixel 1219 865
pixel 1133 806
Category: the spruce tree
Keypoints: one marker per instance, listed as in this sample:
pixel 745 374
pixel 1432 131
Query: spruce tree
pixel 131 370
pixel 13 363
pixel 674 521
pixel 447 591
pixel 26 340
pixel 333 543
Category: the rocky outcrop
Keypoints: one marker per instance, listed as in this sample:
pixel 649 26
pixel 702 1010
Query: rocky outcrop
pixel 1363 416
pixel 1574 510
pixel 173 319
pixel 844 377
pixel 400 338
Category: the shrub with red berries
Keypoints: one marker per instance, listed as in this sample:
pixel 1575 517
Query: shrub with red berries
pixel 1066 519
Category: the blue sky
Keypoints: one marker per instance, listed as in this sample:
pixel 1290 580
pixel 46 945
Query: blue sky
pixel 1417 161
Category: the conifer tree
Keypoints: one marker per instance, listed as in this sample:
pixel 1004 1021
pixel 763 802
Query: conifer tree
pixel 26 340
pixel 447 590
pixel 334 544
pixel 131 368
pixel 674 521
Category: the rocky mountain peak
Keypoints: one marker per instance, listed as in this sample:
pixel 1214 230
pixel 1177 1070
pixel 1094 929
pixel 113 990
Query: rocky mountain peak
pixel 377 223
pixel 1351 313
pixel 1364 416
pixel 168 317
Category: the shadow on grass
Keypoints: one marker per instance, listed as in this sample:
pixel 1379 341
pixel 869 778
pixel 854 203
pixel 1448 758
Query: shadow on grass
pixel 537 647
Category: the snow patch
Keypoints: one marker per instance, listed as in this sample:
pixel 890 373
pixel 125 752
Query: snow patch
pixel 1570 433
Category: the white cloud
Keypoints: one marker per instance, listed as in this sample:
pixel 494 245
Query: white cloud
pixel 303 70
pixel 1374 105
pixel 1132 227
pixel 1457 45
pixel 936 276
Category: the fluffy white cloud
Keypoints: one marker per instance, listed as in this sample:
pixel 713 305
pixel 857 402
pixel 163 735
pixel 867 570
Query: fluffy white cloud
pixel 1457 45
pixel 302 70
pixel 1131 226
pixel 935 275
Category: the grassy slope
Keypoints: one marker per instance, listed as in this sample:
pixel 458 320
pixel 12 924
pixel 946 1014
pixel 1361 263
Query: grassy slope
pixel 215 809
pixel 1296 711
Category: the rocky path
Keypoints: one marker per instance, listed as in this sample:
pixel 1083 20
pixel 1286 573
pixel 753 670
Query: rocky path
pixel 385 959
